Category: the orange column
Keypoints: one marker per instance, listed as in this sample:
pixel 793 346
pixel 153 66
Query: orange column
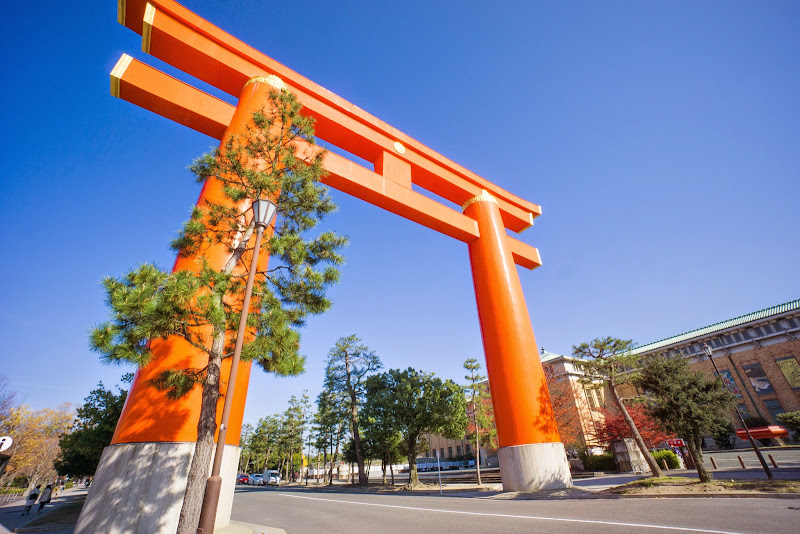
pixel 148 415
pixel 521 402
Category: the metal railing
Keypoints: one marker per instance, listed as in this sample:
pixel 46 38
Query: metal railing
pixel 7 497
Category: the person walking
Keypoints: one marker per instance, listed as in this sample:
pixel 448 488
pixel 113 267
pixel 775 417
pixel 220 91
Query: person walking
pixel 31 500
pixel 44 498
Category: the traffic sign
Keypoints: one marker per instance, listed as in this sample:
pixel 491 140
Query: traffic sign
pixel 676 443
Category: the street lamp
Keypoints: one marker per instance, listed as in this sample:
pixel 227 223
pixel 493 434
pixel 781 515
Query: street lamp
pixel 707 351
pixel 263 213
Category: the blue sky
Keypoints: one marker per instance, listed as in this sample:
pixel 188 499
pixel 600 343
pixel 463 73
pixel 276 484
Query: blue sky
pixel 662 141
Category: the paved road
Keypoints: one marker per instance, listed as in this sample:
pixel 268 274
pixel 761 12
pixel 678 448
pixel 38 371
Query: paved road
pixel 300 511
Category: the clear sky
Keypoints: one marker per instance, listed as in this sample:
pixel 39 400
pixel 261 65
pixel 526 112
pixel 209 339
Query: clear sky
pixel 661 139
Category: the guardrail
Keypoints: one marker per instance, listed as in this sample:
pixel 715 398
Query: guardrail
pixel 7 497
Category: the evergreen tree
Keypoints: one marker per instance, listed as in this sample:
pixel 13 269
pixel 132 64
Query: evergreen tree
pixel 790 420
pixel 482 414
pixel 608 361
pixel 330 424
pixel 245 440
pixel 686 402
pixel 202 306
pixel 417 403
pixel 349 362
pixel 379 429
pixel 92 431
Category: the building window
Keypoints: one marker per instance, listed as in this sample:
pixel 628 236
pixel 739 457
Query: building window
pixel 743 410
pixel 441 452
pixel 458 450
pixel 774 406
pixel 592 399
pixel 449 452
pixel 469 449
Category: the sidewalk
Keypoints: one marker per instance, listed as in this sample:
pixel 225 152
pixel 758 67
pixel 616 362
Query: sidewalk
pixel 11 517
pixel 12 520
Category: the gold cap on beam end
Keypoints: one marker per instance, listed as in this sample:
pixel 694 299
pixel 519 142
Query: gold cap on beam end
pixel 485 196
pixel 121 11
pixel 272 80
pixel 117 72
pixel 147 26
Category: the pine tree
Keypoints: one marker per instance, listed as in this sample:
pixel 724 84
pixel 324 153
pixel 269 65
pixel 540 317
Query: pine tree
pixel 686 402
pixel 349 362
pixel 202 306
pixel 608 361
pixel 481 408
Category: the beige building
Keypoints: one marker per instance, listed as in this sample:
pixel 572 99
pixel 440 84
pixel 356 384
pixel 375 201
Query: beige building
pixel 756 355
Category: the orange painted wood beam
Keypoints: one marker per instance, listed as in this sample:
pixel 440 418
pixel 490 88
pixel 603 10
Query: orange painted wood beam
pixel 181 38
pixel 151 89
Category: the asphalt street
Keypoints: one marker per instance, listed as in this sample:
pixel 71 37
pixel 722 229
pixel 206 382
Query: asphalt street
pixel 300 510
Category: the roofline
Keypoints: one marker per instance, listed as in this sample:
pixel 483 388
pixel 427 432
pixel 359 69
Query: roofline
pixel 717 327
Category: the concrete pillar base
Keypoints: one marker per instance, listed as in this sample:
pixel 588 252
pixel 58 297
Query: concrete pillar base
pixel 138 488
pixel 534 467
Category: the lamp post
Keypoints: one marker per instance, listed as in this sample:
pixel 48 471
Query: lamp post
pixel 707 351
pixel 263 213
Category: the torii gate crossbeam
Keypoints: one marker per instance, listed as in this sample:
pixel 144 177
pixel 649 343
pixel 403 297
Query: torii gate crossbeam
pixel 154 437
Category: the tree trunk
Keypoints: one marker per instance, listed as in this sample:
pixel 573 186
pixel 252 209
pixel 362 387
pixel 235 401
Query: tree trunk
pixel 335 456
pixel 693 443
pixel 204 448
pixel 330 470
pixel 362 478
pixel 391 470
pixel 477 436
pixel 413 477
pixel 383 471
pixel 651 462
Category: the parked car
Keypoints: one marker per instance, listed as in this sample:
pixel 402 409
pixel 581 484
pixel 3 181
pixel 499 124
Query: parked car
pixel 242 479
pixel 272 477
pixel 255 480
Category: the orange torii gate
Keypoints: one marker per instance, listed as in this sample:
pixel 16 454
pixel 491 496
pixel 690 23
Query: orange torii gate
pixel 531 455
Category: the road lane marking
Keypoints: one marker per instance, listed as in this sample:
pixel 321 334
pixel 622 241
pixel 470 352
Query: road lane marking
pixel 511 516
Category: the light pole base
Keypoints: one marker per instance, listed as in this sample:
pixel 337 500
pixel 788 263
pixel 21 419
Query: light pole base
pixel 138 488
pixel 534 467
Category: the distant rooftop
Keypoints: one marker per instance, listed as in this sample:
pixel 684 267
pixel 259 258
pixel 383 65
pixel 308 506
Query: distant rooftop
pixel 717 327
pixel 545 356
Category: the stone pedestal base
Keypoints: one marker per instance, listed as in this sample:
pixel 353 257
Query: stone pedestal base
pixel 534 467
pixel 138 488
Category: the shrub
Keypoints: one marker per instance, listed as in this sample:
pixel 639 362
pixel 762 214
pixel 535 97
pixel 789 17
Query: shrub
pixel 791 420
pixel 68 484
pixel 755 421
pixel 723 437
pixel 669 456
pixel 600 462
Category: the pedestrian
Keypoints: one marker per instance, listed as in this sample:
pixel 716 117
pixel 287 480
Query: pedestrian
pixel 44 498
pixel 29 502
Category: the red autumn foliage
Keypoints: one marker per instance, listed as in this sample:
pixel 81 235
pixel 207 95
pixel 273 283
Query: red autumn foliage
pixel 615 427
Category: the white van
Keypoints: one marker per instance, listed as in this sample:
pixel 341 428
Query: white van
pixel 272 477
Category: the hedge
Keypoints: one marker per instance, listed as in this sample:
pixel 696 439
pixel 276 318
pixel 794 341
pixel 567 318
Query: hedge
pixel 669 456
pixel 600 462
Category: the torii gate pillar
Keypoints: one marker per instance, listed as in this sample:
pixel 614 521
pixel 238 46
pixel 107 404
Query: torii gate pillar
pixel 531 454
